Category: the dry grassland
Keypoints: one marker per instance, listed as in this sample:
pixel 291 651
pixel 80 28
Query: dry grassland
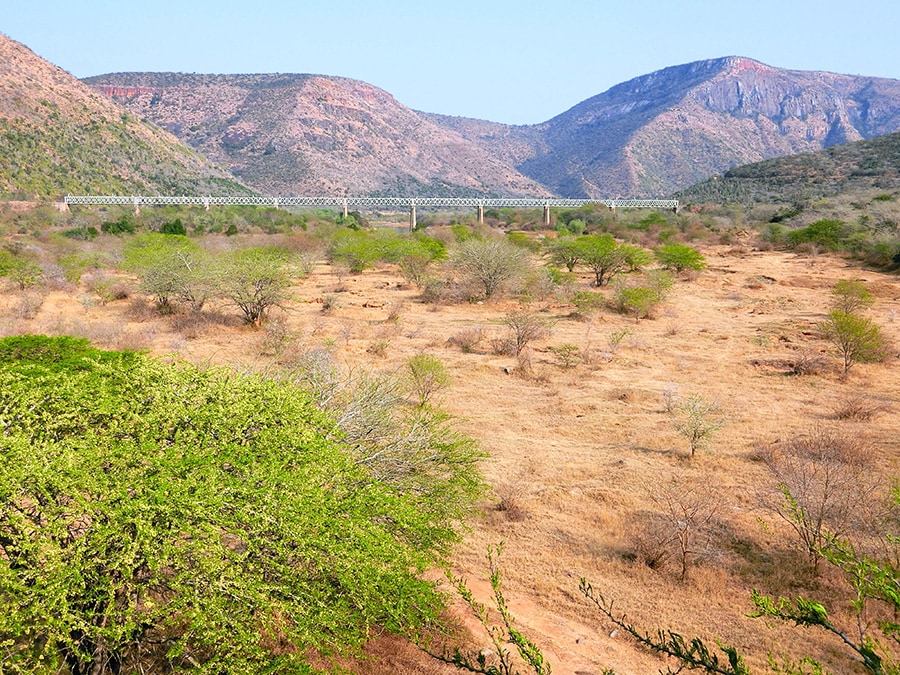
pixel 575 453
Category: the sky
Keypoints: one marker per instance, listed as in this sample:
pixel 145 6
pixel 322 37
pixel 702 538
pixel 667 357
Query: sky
pixel 517 62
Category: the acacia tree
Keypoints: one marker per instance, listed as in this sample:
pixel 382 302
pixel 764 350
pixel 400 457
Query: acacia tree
pixel 171 267
pixel 192 518
pixel 254 279
pixel 855 337
pixel 489 262
pixel 604 256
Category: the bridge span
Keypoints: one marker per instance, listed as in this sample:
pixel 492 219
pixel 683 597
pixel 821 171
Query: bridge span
pixel 345 203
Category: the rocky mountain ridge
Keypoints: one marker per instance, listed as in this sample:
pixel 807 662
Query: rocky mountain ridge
pixel 311 134
pixel 667 130
pixel 57 135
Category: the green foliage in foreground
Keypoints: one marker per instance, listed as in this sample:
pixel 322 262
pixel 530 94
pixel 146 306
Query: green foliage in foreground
pixel 165 517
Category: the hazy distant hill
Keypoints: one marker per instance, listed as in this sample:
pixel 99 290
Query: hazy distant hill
pixel 59 136
pixel 311 134
pixel 872 164
pixel 667 130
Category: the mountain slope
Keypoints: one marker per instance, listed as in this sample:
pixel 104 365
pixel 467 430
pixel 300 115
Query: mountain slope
pixel 872 164
pixel 670 129
pixel 312 134
pixel 58 136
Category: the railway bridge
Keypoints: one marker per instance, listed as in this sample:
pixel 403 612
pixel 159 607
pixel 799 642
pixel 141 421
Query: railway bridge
pixel 369 203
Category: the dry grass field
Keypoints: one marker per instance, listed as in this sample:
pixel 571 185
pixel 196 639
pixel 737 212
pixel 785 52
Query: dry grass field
pixel 580 454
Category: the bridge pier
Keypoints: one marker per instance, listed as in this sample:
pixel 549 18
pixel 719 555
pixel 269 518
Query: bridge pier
pixel 206 203
pixel 412 217
pixel 345 208
pixel 137 205
pixel 481 214
pixel 546 215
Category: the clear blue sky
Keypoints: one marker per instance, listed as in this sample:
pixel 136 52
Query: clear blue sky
pixel 515 62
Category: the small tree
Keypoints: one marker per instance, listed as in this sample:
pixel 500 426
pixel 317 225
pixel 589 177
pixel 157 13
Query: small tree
pixel 565 251
pixel 825 479
pixel 525 327
pixel 855 337
pixel 679 257
pixel 850 296
pixel 489 262
pixel 170 267
pixel 603 256
pixel 426 376
pixel 688 513
pixel 254 280
pixel 697 420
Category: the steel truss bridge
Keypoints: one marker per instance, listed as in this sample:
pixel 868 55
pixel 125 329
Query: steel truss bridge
pixel 345 203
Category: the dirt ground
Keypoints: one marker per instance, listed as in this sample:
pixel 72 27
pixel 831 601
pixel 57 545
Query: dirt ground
pixel 574 452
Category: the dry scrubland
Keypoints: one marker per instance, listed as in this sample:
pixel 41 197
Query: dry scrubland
pixel 575 454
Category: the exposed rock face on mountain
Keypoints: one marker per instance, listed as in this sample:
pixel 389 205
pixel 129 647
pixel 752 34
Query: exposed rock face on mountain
pixel 670 129
pixel 312 135
pixel 59 136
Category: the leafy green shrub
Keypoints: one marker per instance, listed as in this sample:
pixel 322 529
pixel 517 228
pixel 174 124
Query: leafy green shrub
pixel 522 240
pixel 851 295
pixel 21 271
pixel 124 225
pixel 636 301
pixel 255 280
pixel 173 227
pixel 827 233
pixel 171 267
pixel 81 233
pixel 194 518
pixel 587 302
pixel 603 255
pixel 426 375
pixel 680 257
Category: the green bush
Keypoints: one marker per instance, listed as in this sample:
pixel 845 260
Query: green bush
pixel 173 227
pixel 679 257
pixel 193 518
pixel 826 233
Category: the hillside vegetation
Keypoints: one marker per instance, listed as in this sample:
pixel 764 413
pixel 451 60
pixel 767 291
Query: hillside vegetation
pixel 868 165
pixel 59 137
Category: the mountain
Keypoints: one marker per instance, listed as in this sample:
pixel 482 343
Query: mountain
pixel 58 136
pixel 868 165
pixel 314 135
pixel 665 131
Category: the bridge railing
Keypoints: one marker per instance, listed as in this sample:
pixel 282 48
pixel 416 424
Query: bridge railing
pixel 366 202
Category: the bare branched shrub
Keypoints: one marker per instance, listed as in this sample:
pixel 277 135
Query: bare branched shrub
pixel 683 525
pixel 467 339
pixel 27 305
pixel 525 327
pixel 670 397
pixel 511 501
pixel 489 263
pixel 413 449
pixel 329 303
pixel 824 480
pixel 809 362
pixel 860 407
pixel 277 335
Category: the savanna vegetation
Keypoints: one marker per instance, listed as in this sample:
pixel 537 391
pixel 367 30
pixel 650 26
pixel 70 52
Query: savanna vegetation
pixel 671 420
